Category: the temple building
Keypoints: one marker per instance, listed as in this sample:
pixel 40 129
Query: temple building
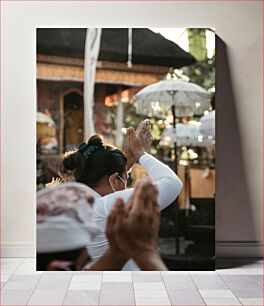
pixel 60 75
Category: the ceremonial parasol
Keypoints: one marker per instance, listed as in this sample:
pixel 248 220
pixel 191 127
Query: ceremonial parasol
pixel 208 124
pixel 183 98
pixel 187 134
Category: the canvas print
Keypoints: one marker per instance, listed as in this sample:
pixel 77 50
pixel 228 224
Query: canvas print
pixel 125 149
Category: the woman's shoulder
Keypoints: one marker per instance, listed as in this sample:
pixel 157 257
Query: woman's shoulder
pixel 95 194
pixel 123 194
pixel 104 204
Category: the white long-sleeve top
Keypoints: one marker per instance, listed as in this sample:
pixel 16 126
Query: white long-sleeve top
pixel 168 184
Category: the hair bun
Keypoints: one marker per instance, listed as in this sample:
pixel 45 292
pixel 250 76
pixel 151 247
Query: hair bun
pixel 96 140
pixel 71 160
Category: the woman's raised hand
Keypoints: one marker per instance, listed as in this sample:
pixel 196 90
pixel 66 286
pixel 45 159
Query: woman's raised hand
pixel 143 132
pixel 131 159
pixel 140 140
pixel 137 142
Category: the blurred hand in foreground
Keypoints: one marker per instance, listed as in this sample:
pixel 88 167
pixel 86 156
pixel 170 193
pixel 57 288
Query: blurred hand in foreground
pixel 133 229
pixel 55 182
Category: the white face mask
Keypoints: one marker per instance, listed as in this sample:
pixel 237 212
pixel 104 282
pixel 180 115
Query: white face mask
pixel 120 178
pixel 111 185
pixel 123 180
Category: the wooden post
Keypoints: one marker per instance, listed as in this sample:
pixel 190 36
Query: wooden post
pixel 175 140
pixel 119 122
pixel 177 241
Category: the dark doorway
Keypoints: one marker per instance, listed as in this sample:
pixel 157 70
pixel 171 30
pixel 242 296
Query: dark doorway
pixel 73 120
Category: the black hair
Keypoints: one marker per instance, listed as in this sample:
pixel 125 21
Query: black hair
pixel 92 161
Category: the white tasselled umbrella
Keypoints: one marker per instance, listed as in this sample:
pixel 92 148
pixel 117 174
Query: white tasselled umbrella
pixel 187 98
pixel 208 124
pixel 187 134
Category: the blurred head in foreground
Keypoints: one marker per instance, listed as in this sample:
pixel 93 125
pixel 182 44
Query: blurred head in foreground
pixel 65 226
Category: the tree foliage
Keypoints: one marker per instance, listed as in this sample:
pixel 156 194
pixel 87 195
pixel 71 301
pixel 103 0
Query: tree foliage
pixel 201 73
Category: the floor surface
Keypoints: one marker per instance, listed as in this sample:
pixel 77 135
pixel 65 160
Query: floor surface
pixel 235 282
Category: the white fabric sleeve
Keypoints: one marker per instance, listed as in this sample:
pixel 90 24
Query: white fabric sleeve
pixel 168 183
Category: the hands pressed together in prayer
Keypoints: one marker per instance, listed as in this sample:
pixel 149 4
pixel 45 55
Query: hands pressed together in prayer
pixel 132 231
pixel 137 142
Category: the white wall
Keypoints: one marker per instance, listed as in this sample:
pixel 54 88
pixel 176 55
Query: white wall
pixel 239 107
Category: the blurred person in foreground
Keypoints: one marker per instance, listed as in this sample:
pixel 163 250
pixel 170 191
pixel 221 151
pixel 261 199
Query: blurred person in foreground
pixel 104 169
pixel 65 226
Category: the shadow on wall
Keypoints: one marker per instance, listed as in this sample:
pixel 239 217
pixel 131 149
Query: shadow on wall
pixel 234 215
